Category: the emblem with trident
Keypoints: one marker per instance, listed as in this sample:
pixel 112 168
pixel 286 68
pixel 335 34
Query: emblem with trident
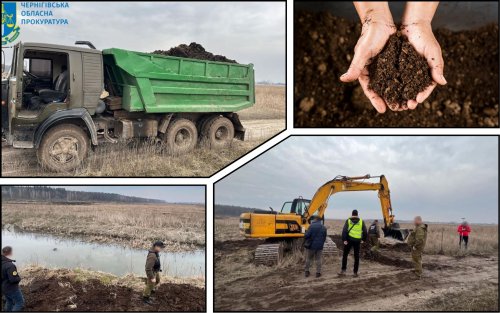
pixel 7 18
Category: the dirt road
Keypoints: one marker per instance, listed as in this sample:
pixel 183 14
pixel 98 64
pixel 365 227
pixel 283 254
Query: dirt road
pixel 383 285
pixel 23 162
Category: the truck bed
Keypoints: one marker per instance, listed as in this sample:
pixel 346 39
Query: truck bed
pixel 164 84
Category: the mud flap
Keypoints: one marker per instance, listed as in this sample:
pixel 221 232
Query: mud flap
pixel 239 130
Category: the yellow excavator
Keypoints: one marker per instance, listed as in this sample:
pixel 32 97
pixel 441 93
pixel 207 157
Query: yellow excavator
pixel 285 230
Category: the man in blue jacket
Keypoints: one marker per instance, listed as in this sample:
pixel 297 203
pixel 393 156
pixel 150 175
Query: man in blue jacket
pixel 314 241
pixel 14 300
pixel 353 234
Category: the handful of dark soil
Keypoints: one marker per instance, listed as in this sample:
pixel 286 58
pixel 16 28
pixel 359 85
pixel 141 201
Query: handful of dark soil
pixel 398 73
pixel 194 51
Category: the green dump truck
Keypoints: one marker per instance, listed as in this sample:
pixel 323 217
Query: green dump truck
pixel 62 100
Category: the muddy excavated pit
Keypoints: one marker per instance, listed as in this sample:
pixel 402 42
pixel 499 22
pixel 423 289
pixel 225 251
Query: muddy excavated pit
pixel 324 46
pixel 64 293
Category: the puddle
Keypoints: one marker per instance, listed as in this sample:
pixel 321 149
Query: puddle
pixel 53 252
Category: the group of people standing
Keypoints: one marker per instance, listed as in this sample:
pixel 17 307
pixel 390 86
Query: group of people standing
pixel 355 232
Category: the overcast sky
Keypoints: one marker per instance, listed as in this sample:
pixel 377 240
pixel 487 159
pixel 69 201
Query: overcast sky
pixel 246 32
pixel 191 194
pixel 441 178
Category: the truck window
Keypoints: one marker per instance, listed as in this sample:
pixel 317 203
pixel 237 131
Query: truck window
pixel 39 67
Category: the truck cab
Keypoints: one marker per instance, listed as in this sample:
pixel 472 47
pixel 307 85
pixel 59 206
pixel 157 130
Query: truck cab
pixel 49 84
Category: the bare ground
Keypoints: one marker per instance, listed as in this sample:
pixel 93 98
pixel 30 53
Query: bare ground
pixel 82 290
pixel 449 283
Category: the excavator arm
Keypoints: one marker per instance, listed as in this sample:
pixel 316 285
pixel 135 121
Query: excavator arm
pixel 319 202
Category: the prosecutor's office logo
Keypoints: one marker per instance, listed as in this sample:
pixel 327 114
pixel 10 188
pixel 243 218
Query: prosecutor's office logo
pixel 10 29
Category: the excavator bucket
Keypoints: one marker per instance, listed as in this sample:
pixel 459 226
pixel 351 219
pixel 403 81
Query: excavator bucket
pixel 396 232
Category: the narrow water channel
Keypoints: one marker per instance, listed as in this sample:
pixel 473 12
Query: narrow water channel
pixel 53 252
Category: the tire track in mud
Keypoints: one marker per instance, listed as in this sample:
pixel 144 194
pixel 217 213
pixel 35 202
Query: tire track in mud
pixel 287 289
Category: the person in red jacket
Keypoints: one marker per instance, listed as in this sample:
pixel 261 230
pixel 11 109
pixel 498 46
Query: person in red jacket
pixel 463 231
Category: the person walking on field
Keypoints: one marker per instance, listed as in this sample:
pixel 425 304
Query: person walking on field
pixel 353 234
pixel 464 231
pixel 14 300
pixel 153 269
pixel 417 240
pixel 373 236
pixel 315 238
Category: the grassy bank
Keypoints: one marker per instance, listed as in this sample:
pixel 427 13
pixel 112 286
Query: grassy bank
pixel 180 226
pixel 82 290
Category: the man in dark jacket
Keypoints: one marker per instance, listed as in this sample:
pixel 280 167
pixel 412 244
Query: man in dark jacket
pixel 153 269
pixel 14 300
pixel 314 241
pixel 353 234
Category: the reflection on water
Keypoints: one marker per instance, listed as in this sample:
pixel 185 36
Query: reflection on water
pixel 49 251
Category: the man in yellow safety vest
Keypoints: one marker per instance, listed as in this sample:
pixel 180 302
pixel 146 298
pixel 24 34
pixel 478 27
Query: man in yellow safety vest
pixel 353 234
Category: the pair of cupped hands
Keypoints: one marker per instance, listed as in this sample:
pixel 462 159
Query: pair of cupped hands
pixel 378 26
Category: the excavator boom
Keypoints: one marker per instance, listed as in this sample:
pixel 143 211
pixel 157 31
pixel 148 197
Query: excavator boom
pixel 319 202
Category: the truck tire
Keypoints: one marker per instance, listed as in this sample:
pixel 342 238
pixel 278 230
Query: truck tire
pixel 181 136
pixel 63 148
pixel 218 132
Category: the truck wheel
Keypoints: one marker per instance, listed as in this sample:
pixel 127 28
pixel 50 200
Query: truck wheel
pixel 181 136
pixel 63 148
pixel 202 122
pixel 218 132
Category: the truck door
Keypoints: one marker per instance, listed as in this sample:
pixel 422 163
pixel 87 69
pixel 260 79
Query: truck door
pixel 15 84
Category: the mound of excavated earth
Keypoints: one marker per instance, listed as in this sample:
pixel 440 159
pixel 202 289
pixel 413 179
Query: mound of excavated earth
pixel 194 51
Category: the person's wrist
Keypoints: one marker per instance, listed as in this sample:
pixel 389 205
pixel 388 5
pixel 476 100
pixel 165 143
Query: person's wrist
pixel 379 13
pixel 379 17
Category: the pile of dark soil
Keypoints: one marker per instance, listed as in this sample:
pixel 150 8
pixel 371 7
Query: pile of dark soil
pixel 194 51
pixel 324 47
pixel 65 294
pixel 386 255
pixel 398 73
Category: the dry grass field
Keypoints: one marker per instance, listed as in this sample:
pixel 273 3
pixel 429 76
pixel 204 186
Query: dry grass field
pixel 181 226
pixel 269 104
pixel 453 280
pixel 142 158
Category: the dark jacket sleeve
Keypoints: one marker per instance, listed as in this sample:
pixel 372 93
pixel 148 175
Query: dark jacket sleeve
pixel 307 236
pixel 324 234
pixel 344 231
pixel 365 232
pixel 13 275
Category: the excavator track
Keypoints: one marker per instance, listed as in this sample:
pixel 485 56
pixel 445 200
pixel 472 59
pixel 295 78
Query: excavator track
pixel 269 254
pixel 272 253
pixel 330 248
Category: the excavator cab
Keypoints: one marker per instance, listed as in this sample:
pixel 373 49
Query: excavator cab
pixel 297 206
